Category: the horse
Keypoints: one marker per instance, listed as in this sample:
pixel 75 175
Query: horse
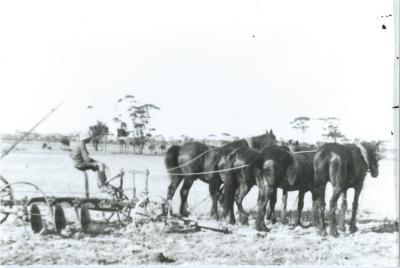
pixel 303 179
pixel 244 167
pixel 345 166
pixel 195 160
pixel 268 169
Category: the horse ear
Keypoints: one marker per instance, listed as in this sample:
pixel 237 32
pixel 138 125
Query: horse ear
pixel 270 132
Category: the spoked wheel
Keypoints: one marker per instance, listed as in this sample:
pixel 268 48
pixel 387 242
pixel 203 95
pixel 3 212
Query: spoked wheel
pixel 150 212
pixel 29 204
pixel 6 199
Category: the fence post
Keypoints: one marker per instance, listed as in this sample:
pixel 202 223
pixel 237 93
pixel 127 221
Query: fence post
pixel 86 184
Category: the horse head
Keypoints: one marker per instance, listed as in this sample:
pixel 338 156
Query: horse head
pixel 270 139
pixel 294 146
pixel 373 155
pixel 263 141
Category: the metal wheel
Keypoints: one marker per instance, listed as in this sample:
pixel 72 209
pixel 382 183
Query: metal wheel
pixel 59 218
pixel 35 219
pixel 150 209
pixel 6 199
pixel 27 203
pixel 85 219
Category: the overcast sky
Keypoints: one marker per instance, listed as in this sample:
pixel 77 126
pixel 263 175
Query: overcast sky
pixel 211 66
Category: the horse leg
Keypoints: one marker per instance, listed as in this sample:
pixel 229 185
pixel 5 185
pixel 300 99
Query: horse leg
pixel 332 210
pixel 342 218
pixel 284 205
pixel 242 191
pixel 214 188
pixel 175 181
pixel 262 204
pixel 315 220
pixel 264 194
pixel 319 205
pixel 187 184
pixel 353 227
pixel 272 202
pixel 300 205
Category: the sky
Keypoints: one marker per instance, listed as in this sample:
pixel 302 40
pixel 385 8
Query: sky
pixel 211 66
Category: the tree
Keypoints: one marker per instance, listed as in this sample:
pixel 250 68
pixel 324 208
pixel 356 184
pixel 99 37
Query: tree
pixel 140 116
pixel 122 135
pixel 152 148
pixel 163 147
pixel 332 128
pixel 98 132
pixel 301 123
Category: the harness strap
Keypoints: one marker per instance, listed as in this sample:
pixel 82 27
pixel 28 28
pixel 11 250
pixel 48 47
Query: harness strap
pixel 301 152
pixel 190 161
pixel 209 172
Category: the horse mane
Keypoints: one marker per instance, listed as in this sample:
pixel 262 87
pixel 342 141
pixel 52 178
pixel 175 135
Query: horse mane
pixel 233 144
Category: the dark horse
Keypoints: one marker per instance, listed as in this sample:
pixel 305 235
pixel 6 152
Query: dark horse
pixel 245 170
pixel 345 166
pixel 300 167
pixel 195 160
pixel 268 169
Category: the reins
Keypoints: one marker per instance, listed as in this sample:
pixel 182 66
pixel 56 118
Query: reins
pixel 192 160
pixel 303 152
pixel 200 155
pixel 210 172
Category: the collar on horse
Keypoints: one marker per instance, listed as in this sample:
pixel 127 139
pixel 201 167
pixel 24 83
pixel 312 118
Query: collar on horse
pixel 363 153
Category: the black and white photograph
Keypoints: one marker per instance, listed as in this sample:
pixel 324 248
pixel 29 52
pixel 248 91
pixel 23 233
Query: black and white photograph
pixel 212 133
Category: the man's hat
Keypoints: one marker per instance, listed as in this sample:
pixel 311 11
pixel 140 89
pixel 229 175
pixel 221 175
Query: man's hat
pixel 85 136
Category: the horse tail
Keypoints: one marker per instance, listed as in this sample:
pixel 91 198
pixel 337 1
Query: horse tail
pixel 171 158
pixel 336 169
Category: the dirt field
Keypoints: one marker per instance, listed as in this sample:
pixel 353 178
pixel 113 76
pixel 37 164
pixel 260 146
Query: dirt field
pixel 376 242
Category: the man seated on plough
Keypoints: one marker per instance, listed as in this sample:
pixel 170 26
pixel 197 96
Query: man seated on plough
pixel 83 162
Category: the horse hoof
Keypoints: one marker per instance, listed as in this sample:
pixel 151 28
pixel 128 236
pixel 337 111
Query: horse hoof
pixel 342 228
pixel 353 229
pixel 262 228
pixel 334 233
pixel 214 217
pixel 322 232
pixel 244 221
pixel 299 224
pixel 184 213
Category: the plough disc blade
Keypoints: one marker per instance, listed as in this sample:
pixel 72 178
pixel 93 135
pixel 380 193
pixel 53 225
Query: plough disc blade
pixel 36 219
pixel 59 218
